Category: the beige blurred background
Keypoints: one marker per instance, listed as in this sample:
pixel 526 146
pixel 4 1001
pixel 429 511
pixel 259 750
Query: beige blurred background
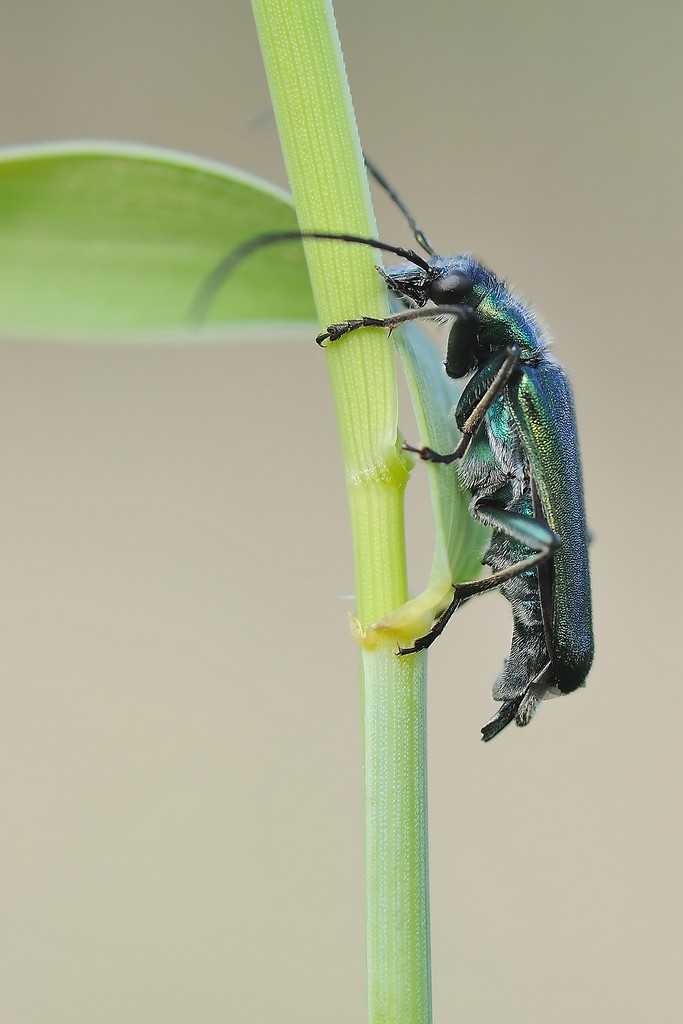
pixel 179 733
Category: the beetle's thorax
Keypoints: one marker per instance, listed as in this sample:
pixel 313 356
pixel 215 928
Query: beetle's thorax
pixel 503 317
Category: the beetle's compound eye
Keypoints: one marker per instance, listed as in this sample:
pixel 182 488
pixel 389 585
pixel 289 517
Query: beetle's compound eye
pixel 450 289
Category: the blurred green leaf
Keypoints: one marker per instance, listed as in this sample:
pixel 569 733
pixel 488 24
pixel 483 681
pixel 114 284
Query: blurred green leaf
pixel 459 539
pixel 104 239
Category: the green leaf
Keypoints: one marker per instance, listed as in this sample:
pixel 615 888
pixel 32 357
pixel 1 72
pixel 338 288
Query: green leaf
pixel 459 539
pixel 113 239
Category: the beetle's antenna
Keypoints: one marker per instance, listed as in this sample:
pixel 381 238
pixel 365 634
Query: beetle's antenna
pixel 419 234
pixel 225 267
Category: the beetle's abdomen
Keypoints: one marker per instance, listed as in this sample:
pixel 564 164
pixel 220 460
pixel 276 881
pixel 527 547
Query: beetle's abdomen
pixel 495 470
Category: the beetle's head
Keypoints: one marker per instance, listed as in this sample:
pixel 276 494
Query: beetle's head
pixel 460 280
pixel 446 281
pixel 410 282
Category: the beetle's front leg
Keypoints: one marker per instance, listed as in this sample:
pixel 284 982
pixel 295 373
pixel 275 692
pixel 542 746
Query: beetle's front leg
pixel 336 331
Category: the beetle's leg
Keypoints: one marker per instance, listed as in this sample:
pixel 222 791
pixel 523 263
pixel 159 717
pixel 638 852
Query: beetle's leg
pixel 487 385
pixel 521 708
pixel 505 714
pixel 534 533
pixel 336 331
pixel 463 591
pixel 531 532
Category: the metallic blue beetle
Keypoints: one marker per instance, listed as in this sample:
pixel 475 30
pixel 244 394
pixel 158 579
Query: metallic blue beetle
pixel 519 458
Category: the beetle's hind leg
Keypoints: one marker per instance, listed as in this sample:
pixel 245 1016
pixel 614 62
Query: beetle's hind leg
pixel 521 708
pixel 502 718
pixel 531 532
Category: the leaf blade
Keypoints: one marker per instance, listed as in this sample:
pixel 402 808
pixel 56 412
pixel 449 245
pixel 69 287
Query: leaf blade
pixel 115 239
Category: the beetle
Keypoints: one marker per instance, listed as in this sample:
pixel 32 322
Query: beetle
pixel 518 457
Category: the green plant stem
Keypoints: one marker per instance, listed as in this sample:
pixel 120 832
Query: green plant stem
pixel 322 152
